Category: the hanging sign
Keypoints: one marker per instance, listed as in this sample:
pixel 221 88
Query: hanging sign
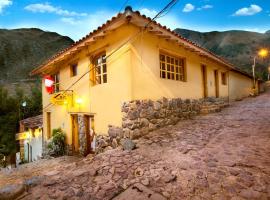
pixel 49 84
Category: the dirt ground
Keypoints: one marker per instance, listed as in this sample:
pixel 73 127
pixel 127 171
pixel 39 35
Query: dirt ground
pixel 218 156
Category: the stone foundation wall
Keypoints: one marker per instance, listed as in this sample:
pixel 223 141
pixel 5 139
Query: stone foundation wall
pixel 142 116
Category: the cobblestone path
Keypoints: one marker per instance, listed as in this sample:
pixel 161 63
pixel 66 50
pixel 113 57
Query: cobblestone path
pixel 218 156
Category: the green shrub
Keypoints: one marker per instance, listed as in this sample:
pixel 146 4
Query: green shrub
pixel 57 144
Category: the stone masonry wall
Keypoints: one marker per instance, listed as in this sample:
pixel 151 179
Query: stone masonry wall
pixel 142 116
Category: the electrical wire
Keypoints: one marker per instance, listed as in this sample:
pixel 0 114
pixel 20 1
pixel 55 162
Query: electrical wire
pixel 158 15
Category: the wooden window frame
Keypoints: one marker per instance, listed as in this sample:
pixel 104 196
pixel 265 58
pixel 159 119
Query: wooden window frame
pixel 56 85
pixel 100 76
pixel 72 71
pixel 224 78
pixel 172 67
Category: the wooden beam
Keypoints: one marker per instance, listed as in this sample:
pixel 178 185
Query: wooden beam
pixel 164 36
pixel 156 32
pixel 98 37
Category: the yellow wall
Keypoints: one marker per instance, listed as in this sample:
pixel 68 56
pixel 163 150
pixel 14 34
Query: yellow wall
pixel 240 85
pixel 146 72
pixel 133 73
pixel 104 100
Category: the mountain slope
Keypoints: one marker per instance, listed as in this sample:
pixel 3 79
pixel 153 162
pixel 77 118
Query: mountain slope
pixel 238 47
pixel 21 50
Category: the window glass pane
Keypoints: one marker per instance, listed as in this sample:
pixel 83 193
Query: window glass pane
pixel 177 77
pixel 163 66
pixel 168 75
pixel 104 68
pixel 176 61
pixel 162 57
pixel 105 78
pixel 168 59
pixel 163 74
pixel 172 76
pixel 98 69
pixel 172 60
pixel 168 67
pixel 172 68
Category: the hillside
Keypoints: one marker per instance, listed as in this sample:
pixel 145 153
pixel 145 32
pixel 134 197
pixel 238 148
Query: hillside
pixel 21 50
pixel 238 47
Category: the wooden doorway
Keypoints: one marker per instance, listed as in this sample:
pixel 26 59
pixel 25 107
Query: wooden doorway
pixel 89 124
pixel 216 83
pixel 75 134
pixel 204 81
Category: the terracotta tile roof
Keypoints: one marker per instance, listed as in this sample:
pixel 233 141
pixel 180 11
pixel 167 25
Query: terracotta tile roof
pixel 33 122
pixel 119 15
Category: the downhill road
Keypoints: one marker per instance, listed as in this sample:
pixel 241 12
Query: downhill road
pixel 224 155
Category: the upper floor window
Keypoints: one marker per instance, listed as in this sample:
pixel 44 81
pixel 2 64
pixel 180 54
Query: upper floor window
pixel 73 69
pixel 56 82
pixel 100 69
pixel 172 68
pixel 223 78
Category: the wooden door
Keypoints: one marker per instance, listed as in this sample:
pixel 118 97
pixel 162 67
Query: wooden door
pixel 87 134
pixel 204 81
pixel 75 133
pixel 216 83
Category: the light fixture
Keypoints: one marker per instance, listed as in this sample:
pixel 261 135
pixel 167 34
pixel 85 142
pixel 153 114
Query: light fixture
pixel 263 53
pixel 79 101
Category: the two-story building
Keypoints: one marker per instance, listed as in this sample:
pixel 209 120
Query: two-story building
pixel 130 57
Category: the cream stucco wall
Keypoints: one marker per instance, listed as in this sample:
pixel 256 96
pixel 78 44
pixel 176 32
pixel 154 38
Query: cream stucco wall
pixel 239 85
pixel 146 81
pixel 102 101
pixel 133 73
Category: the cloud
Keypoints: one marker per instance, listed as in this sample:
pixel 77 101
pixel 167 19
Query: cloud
pixel 205 7
pixel 4 3
pixel 252 10
pixel 47 8
pixel 70 20
pixel 188 8
pixel 148 13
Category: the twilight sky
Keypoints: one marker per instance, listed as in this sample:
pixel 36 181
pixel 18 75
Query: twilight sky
pixel 76 18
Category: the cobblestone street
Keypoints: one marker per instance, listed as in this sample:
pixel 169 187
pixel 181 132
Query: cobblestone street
pixel 224 155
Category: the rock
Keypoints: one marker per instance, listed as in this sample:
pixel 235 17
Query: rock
pixel 92 172
pixel 48 182
pixel 102 143
pixel 11 192
pixel 108 148
pixel 250 194
pixel 128 144
pixel 114 143
pixel 79 172
pixel 115 132
pixel 33 181
pixel 145 181
pixel 170 178
pixel 112 170
pixel 157 105
pixel 138 172
pixel 144 122
pixel 152 127
pixel 133 114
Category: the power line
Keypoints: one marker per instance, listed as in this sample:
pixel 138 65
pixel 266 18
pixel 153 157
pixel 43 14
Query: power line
pixel 158 15
pixel 124 4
